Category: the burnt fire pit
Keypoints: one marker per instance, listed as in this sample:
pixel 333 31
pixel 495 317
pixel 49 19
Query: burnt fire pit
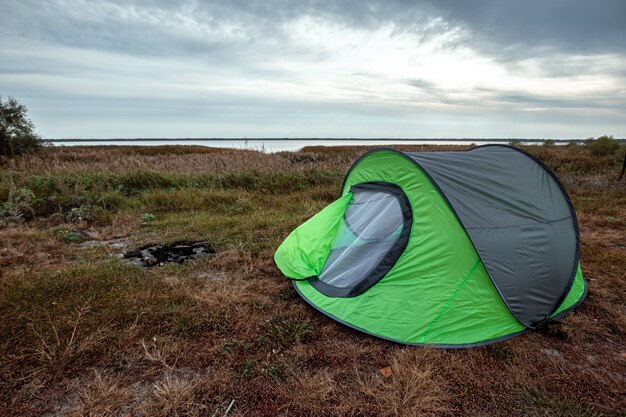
pixel 177 252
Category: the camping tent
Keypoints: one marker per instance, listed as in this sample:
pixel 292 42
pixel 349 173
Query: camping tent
pixel 453 249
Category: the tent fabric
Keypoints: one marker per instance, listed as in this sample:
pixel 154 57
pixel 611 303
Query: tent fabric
pixel 438 291
pixel 303 254
pixel 519 220
pixel 575 296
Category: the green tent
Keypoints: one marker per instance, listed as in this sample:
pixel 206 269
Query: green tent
pixel 450 249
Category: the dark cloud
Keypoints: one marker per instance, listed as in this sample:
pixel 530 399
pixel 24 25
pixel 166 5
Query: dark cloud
pixel 504 28
pixel 194 28
pixel 524 27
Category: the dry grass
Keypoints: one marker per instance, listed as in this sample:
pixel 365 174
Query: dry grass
pixel 102 396
pixel 308 393
pixel 55 351
pixel 410 386
pixel 84 334
pixel 172 396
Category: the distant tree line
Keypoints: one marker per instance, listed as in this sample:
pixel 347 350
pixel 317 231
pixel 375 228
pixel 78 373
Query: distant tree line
pixel 604 145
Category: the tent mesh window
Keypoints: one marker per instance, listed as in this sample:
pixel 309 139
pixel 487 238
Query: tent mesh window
pixel 370 239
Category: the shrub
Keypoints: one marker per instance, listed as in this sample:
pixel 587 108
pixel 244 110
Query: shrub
pixel 76 214
pixel 549 142
pixel 18 207
pixel 602 146
pixel 17 131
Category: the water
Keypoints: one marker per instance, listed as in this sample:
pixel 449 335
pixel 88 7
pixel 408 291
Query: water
pixel 276 145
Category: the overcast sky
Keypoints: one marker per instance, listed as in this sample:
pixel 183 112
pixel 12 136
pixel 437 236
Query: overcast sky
pixel 304 68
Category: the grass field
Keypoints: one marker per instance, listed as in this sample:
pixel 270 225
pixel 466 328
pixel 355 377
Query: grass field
pixel 83 333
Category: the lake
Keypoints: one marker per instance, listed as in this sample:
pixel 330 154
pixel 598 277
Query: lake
pixel 277 145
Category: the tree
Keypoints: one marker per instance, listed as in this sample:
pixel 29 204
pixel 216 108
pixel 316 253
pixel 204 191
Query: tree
pixel 17 131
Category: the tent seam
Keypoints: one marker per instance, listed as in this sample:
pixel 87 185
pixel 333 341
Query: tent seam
pixel 447 304
pixel 520 225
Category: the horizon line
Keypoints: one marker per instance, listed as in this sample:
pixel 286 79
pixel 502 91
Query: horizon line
pixel 147 139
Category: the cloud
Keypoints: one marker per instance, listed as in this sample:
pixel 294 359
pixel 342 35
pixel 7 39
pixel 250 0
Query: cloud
pixel 317 68
pixel 525 28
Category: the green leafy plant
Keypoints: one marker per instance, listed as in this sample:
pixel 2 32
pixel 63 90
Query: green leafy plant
pixel 18 207
pixel 84 212
pixel 69 236
pixel 146 218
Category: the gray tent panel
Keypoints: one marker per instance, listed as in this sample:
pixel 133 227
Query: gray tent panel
pixel 518 217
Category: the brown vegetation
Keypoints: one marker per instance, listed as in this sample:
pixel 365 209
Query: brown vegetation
pixel 85 334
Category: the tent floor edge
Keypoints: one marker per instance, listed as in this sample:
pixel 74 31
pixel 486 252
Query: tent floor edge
pixel 426 345
pixel 556 317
